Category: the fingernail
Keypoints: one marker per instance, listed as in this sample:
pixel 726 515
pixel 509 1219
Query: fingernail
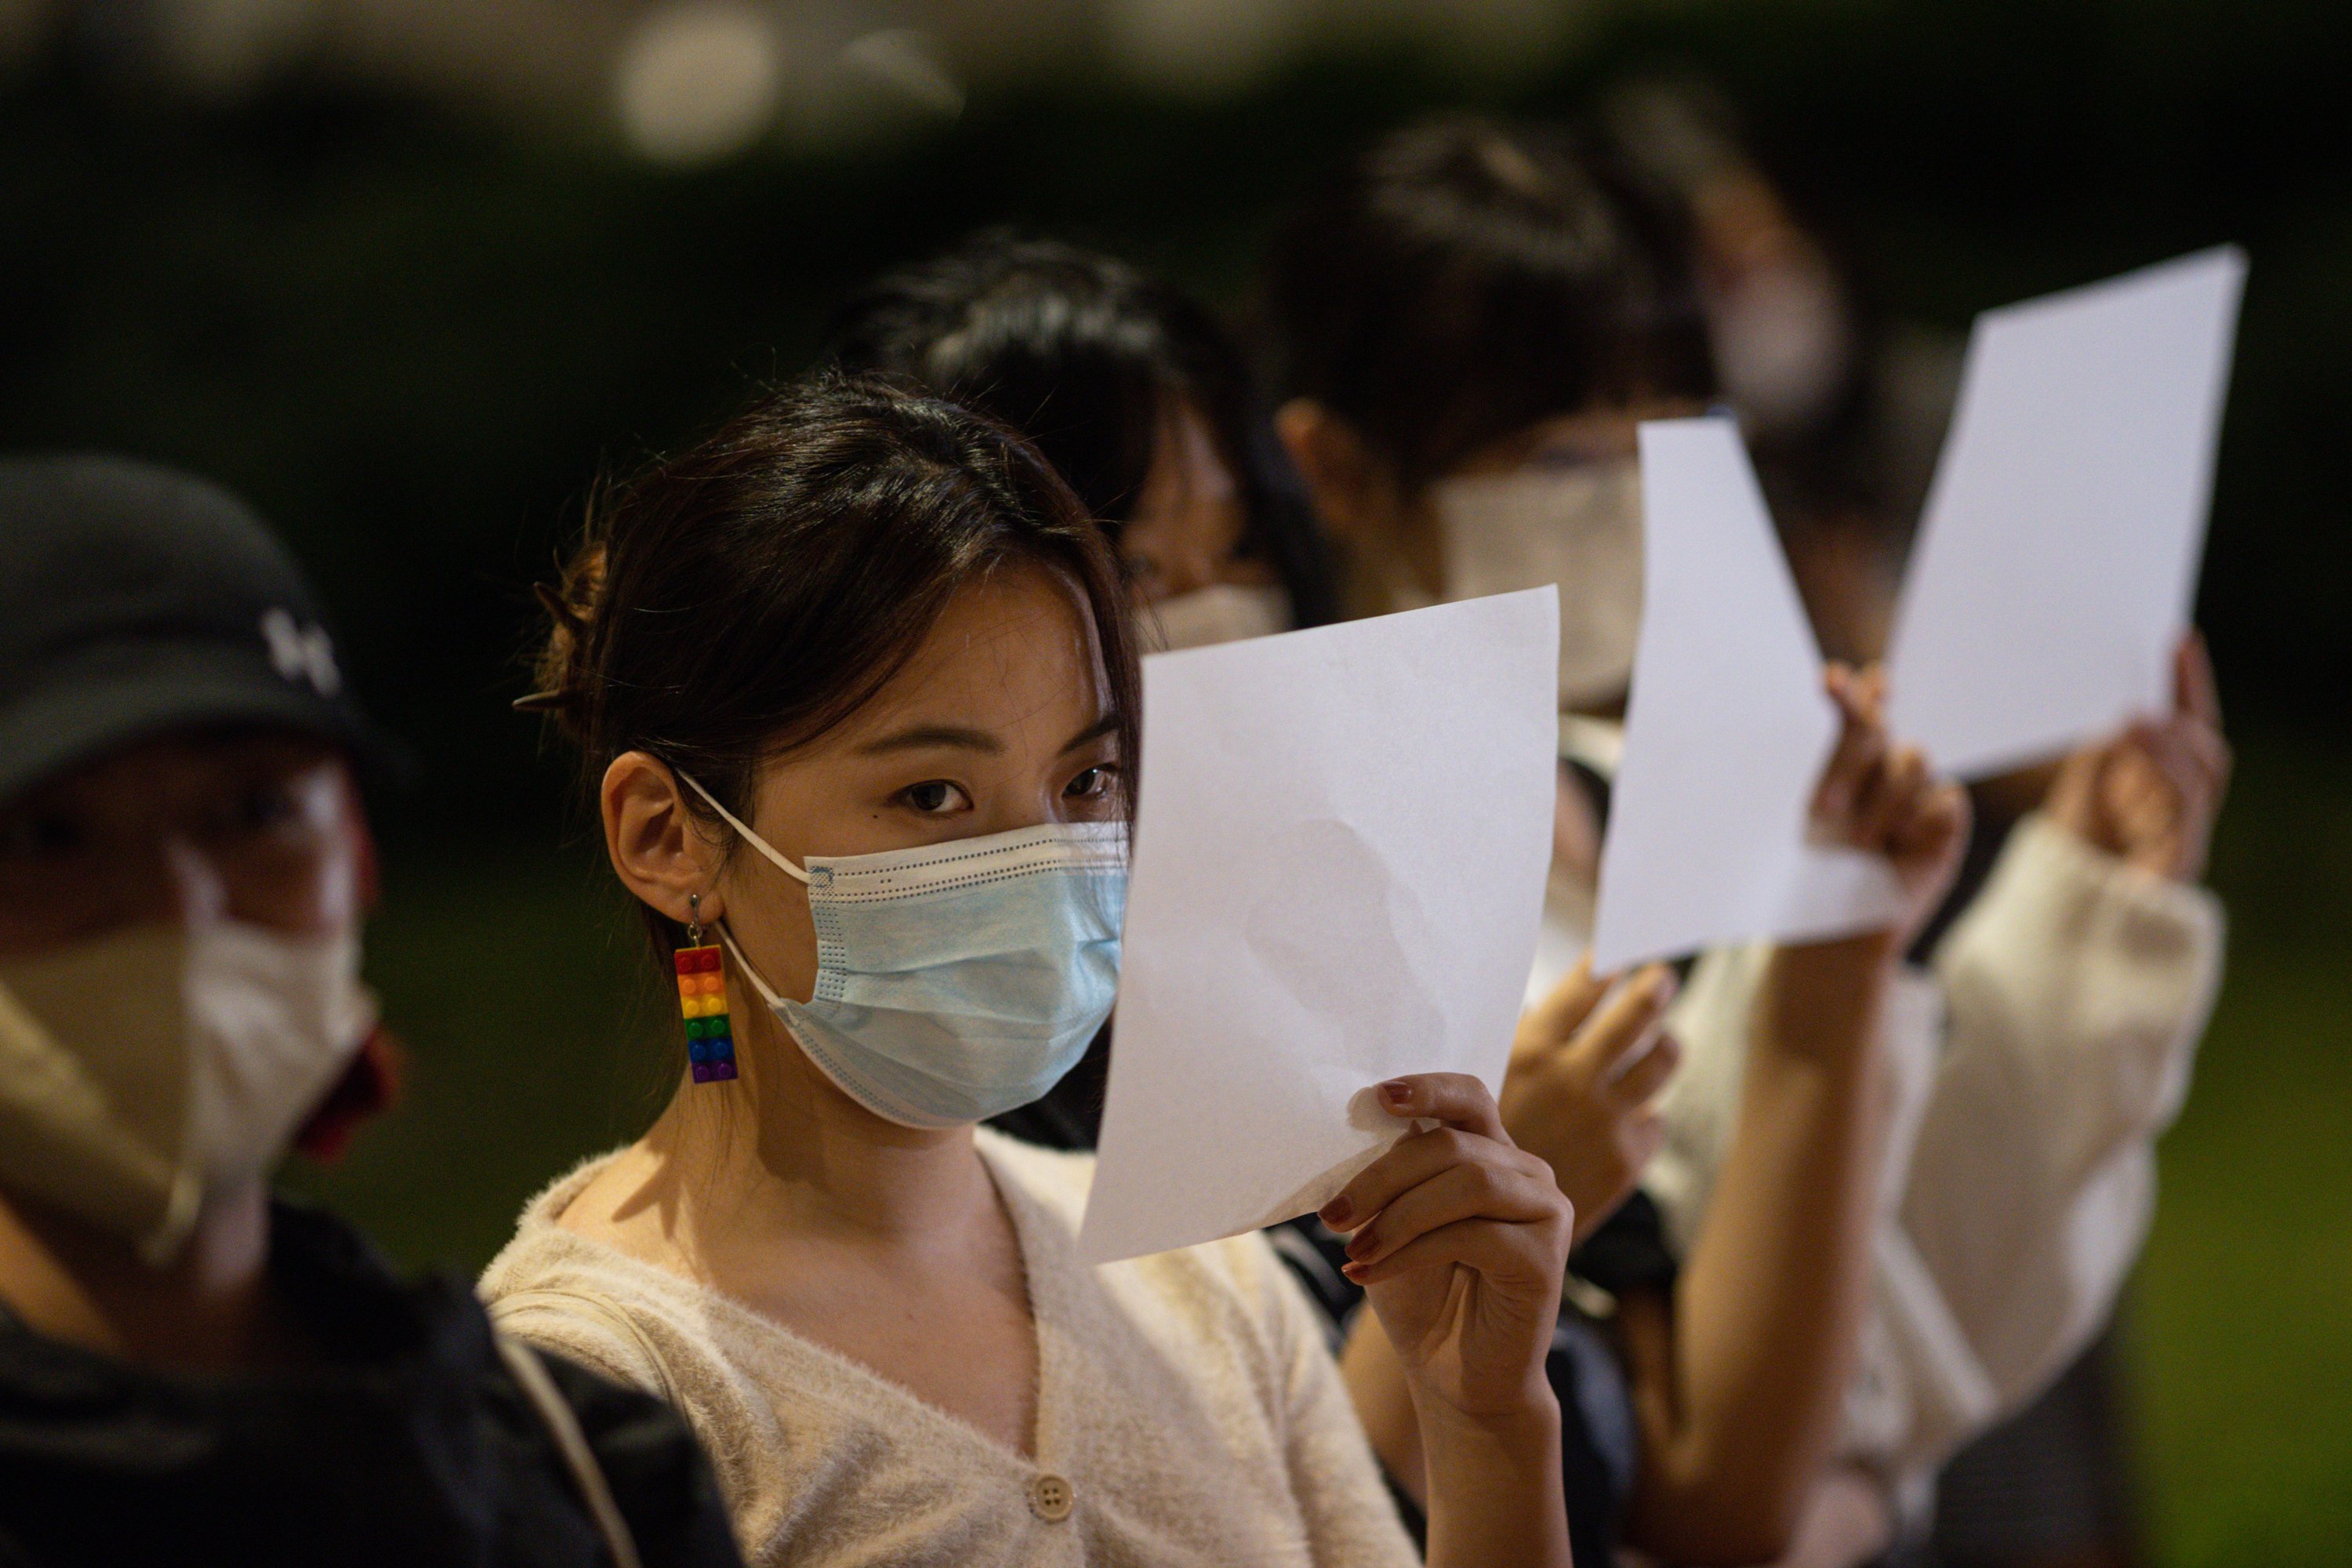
pixel 1338 1211
pixel 1361 1246
pixel 1354 1271
pixel 1397 1092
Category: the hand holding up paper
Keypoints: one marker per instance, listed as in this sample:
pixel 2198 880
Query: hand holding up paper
pixel 2057 558
pixel 1339 866
pixel 1711 839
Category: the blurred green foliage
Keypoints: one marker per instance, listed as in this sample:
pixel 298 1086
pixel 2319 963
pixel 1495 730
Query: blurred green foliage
pixel 2238 1322
pixel 2241 1324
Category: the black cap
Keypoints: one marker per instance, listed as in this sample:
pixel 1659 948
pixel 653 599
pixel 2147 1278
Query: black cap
pixel 135 601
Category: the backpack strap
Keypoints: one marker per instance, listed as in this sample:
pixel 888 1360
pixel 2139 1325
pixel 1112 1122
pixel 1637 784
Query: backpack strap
pixel 555 1412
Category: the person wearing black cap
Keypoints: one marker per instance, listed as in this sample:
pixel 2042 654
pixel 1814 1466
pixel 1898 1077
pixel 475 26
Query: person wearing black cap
pixel 189 1370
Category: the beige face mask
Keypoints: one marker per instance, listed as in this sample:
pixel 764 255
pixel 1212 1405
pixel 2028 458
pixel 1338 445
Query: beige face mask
pixel 141 1069
pixel 1221 613
pixel 1580 529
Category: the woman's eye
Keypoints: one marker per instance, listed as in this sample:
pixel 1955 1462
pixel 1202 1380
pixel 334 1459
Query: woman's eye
pixel 933 797
pixel 1094 783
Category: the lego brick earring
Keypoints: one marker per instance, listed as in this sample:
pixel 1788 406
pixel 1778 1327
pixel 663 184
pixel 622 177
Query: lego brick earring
pixel 702 998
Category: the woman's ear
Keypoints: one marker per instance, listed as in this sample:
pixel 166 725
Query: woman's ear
pixel 655 848
pixel 1354 492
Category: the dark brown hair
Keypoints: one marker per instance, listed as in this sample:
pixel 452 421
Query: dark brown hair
pixel 1083 354
pixel 742 598
pixel 1464 279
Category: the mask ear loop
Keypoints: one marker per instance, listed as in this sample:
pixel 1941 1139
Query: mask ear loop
pixel 767 993
pixel 737 822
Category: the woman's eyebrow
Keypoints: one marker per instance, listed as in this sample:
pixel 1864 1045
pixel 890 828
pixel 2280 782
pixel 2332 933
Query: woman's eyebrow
pixel 1102 726
pixel 928 737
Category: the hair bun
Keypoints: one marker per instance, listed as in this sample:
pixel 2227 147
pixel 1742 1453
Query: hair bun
pixel 563 671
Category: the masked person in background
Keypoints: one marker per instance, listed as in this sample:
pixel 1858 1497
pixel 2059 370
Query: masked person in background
pixel 1135 395
pixel 1473 322
pixel 189 1370
pixel 1843 414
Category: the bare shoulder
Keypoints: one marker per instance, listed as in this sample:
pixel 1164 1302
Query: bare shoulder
pixel 605 1206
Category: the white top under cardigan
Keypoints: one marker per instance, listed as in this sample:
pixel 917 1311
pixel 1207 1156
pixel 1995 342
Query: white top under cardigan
pixel 1188 1412
pixel 2021 1171
pixel 2035 1063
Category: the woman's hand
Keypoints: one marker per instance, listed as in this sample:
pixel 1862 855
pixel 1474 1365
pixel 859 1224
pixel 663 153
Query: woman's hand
pixel 1582 1089
pixel 2150 794
pixel 1461 1241
pixel 1875 796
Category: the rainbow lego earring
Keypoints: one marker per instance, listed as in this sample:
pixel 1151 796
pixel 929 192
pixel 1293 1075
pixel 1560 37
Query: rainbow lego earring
pixel 703 999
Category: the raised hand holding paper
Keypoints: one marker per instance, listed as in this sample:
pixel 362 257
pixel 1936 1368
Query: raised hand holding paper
pixel 2057 557
pixel 1725 733
pixel 1339 869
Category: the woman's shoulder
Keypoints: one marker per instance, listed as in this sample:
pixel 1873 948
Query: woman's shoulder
pixel 542 1244
pixel 570 1292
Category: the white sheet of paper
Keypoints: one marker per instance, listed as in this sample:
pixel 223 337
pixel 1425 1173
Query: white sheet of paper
pixel 2057 558
pixel 1727 730
pixel 1339 864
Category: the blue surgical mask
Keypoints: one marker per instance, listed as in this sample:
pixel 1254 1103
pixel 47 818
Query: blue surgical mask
pixel 956 981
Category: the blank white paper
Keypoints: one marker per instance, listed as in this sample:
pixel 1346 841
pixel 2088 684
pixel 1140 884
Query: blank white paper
pixel 1339 864
pixel 1726 731
pixel 2058 555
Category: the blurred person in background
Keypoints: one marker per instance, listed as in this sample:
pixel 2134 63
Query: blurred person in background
pixel 2051 1484
pixel 190 1369
pixel 900 709
pixel 1844 416
pixel 1137 396
pixel 1473 319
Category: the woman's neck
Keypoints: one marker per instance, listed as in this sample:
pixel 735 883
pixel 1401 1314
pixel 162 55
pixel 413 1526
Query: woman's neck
pixel 209 1310
pixel 782 1152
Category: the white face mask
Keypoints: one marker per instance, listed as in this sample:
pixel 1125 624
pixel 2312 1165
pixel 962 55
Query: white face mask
pixel 1220 612
pixel 1578 528
pixel 141 1069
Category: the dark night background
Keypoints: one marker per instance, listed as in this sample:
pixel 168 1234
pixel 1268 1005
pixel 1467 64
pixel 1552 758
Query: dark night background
pixel 411 324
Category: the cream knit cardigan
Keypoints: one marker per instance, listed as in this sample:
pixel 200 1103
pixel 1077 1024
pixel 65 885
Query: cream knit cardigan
pixel 1187 1410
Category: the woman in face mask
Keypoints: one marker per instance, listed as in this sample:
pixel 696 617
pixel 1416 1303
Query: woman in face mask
pixel 1471 324
pixel 856 694
pixel 187 1370
pixel 1473 319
